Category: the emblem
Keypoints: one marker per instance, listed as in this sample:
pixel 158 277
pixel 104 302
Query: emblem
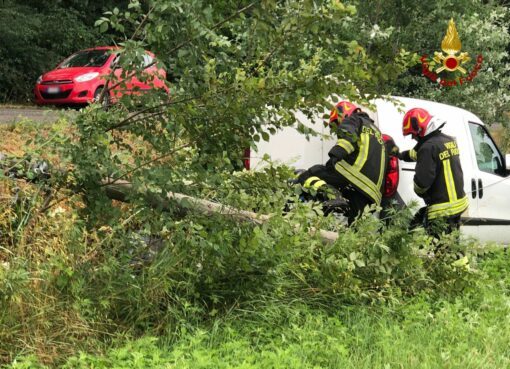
pixel 451 45
pixel 442 67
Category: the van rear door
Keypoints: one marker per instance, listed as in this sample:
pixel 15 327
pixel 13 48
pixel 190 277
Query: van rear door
pixel 289 146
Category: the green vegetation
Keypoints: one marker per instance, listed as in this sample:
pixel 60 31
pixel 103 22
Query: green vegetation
pixel 220 294
pixel 417 334
pixel 90 282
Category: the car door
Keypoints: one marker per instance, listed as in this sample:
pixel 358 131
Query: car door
pixel 144 83
pixel 490 187
pixel 130 83
pixel 122 85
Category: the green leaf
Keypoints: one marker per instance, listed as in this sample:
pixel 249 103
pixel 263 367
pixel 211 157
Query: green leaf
pixel 104 27
pixel 359 263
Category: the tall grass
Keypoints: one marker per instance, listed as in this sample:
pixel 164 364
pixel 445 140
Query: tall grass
pixel 66 286
pixel 72 280
pixel 466 331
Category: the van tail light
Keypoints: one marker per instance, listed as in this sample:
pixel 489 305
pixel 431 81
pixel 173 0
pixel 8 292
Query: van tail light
pixel 392 171
pixel 246 158
pixel 392 177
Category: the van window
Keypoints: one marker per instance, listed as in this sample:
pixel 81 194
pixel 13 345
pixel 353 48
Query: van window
pixel 488 157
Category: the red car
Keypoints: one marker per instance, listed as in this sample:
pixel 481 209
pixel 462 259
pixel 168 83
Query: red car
pixel 79 79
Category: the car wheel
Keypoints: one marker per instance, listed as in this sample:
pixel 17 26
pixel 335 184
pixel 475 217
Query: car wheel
pixel 106 98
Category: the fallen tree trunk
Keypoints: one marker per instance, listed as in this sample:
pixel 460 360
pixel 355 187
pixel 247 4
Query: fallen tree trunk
pixel 119 190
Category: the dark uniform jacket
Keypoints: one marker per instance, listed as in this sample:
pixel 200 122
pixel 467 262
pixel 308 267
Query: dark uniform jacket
pixel 438 176
pixel 360 155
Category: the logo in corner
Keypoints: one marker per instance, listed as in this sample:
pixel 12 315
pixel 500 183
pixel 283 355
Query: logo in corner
pixel 447 67
pixel 451 45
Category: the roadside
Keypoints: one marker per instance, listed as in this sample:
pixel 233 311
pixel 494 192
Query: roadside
pixel 11 114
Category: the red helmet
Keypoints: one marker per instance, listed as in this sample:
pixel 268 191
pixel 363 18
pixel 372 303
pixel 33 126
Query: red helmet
pixel 341 110
pixel 415 122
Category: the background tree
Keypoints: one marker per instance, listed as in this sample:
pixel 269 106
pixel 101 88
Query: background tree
pixel 36 35
pixel 421 26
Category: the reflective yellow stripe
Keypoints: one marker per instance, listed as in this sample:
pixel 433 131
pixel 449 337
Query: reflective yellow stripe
pixel 359 180
pixel 383 166
pixel 318 184
pixel 309 181
pixel 346 145
pixel 448 208
pixel 419 190
pixel 314 182
pixel 447 205
pixel 448 212
pixel 413 155
pixel 363 152
pixel 450 183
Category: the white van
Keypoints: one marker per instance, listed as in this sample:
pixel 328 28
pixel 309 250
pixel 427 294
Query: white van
pixel 486 174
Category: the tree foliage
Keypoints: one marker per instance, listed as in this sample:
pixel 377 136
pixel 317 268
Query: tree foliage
pixel 239 68
pixel 420 27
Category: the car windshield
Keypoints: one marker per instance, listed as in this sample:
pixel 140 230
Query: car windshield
pixel 87 58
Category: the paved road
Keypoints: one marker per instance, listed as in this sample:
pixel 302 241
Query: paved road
pixel 13 115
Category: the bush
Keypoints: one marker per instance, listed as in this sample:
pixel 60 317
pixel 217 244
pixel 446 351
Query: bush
pixel 146 271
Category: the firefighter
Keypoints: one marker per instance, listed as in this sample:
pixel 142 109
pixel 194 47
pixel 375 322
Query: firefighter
pixel 356 165
pixel 438 175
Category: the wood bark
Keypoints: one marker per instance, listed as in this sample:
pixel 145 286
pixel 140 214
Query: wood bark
pixel 119 191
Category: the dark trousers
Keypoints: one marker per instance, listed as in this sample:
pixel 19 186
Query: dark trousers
pixel 357 200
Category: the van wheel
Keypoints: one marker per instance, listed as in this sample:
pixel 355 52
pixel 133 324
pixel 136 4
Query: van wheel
pixel 106 98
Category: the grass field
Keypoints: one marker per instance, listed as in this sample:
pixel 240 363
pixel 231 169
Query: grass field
pixel 466 332
pixel 224 296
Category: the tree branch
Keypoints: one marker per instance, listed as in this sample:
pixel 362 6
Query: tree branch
pixel 142 22
pixel 182 44
pixel 115 180
pixel 120 190
pixel 215 26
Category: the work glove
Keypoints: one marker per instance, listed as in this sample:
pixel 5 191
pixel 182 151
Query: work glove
pixel 392 148
pixel 336 154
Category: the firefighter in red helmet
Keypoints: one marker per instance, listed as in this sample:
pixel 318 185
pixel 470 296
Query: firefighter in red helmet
pixel 341 111
pixel 438 175
pixel 356 165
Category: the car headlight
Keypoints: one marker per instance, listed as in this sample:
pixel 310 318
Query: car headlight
pixel 39 79
pixel 86 77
